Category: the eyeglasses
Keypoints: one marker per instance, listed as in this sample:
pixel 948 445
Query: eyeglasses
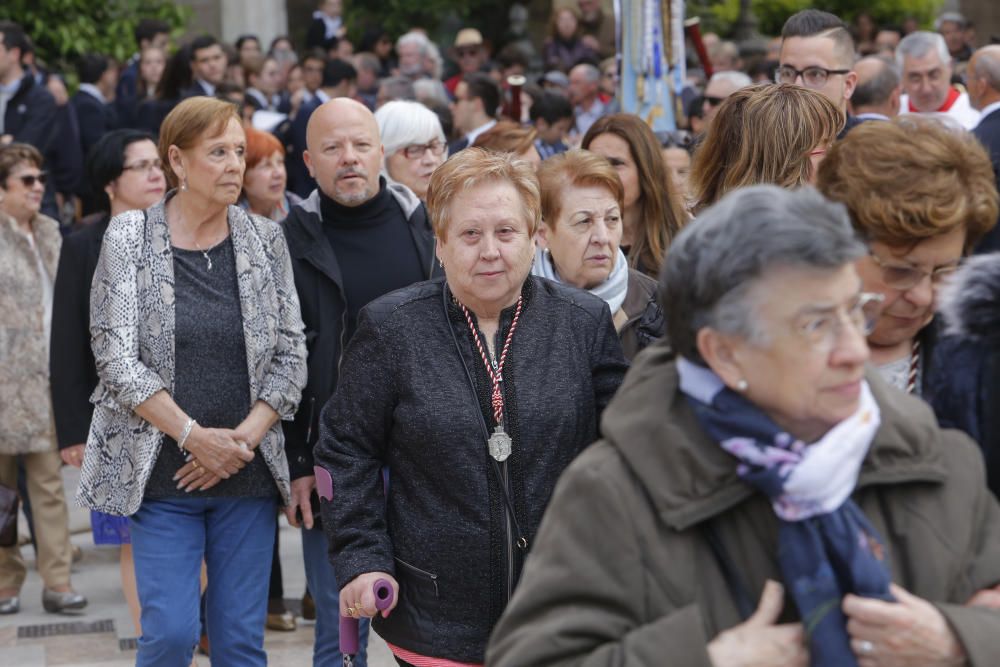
pixel 29 179
pixel 714 101
pixel 413 151
pixel 812 77
pixel 823 329
pixel 145 166
pixel 903 277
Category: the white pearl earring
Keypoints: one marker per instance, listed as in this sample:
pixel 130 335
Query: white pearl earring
pixel 742 386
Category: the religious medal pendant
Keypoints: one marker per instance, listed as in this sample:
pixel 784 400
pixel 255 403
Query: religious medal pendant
pixel 499 444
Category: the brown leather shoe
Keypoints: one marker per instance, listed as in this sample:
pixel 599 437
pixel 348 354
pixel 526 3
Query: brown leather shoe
pixel 283 622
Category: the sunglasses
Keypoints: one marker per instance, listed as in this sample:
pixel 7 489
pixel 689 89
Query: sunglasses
pixel 714 101
pixel 29 179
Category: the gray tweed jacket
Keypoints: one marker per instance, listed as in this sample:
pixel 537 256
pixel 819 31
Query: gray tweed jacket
pixel 132 330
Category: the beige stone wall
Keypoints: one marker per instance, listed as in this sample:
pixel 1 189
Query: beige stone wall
pixel 985 16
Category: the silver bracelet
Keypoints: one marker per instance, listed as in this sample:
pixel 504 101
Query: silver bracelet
pixel 185 433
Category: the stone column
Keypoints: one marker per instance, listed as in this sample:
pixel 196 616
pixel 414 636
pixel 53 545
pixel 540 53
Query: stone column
pixel 265 18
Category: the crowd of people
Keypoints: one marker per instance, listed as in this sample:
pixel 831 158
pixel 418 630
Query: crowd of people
pixel 576 391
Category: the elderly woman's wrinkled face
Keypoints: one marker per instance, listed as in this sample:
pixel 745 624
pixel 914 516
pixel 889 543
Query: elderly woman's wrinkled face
pixel 21 195
pixel 584 239
pixel 807 370
pixel 908 277
pixel 487 248
pixel 413 165
pixel 212 170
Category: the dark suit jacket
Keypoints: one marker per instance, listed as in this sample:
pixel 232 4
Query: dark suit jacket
pixel 458 145
pixel 988 133
pixel 71 363
pixel 299 180
pixel 94 117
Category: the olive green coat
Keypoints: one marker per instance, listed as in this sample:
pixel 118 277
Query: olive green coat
pixel 621 573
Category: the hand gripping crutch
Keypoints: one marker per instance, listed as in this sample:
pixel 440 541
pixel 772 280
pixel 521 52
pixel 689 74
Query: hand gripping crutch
pixel 349 626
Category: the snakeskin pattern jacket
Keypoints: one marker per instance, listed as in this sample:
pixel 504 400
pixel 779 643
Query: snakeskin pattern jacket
pixel 132 335
pixel 26 425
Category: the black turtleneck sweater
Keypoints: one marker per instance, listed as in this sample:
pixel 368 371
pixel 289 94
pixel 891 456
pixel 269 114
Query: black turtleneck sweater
pixel 374 247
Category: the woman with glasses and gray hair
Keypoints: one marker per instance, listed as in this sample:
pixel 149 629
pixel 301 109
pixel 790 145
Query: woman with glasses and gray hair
pixel 754 449
pixel 414 144
pixel 922 195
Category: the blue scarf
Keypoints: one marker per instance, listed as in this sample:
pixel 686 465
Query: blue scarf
pixel 826 546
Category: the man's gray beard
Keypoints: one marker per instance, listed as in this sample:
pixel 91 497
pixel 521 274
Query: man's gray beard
pixel 353 199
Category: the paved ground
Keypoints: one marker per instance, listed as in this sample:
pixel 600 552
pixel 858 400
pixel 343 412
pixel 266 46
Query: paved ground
pixel 101 634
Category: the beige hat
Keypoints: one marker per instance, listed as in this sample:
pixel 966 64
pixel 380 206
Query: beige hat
pixel 468 37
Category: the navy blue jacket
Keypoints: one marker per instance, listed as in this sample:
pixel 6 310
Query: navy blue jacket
pixel 965 380
pixel 31 115
pixel 988 133
pixel 94 117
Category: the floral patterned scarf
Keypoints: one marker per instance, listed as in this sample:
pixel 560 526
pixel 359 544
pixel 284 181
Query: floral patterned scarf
pixel 826 545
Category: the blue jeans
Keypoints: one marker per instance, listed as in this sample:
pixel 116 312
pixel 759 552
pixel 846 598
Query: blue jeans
pixel 170 537
pixel 326 593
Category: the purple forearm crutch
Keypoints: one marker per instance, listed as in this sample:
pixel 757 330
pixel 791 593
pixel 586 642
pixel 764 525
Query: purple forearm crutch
pixel 349 626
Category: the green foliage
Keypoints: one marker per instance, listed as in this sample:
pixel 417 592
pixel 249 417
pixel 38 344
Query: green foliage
pixel 62 30
pixel 398 16
pixel 720 15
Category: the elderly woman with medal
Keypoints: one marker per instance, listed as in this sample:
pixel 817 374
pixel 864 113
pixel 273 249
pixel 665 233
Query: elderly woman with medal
pixel 474 392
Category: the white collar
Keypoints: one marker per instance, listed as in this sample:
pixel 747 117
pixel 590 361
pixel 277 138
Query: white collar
pixel 207 87
pixel 987 110
pixel 472 136
pixel 91 89
pixel 871 116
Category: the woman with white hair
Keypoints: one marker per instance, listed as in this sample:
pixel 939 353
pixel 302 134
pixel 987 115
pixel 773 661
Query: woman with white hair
pixel 414 144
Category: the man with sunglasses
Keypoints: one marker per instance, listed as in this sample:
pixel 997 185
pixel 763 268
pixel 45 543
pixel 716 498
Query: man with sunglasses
pixel 721 86
pixel 469 52
pixel 817 52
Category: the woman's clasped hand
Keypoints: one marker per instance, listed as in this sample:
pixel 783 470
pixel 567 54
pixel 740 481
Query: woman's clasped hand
pixel 215 454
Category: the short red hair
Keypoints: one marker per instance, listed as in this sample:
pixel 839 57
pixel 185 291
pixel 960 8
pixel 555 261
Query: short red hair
pixel 261 145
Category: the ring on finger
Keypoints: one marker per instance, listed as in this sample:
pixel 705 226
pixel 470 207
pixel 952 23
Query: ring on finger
pixel 194 462
pixel 866 647
pixel 351 612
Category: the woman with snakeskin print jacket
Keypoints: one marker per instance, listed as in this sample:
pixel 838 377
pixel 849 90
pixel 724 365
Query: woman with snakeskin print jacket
pixel 198 342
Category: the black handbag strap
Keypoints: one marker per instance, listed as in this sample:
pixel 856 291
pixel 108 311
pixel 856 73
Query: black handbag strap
pixel 744 603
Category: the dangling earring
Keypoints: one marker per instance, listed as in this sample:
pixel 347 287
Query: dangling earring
pixel 742 386
pixel 184 184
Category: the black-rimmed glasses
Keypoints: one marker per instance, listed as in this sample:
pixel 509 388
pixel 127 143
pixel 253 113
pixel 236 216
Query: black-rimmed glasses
pixel 812 77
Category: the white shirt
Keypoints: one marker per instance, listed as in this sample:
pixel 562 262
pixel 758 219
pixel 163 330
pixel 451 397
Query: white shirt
pixel 871 116
pixel 207 87
pixel 587 117
pixel 987 110
pixel 472 136
pixel 961 111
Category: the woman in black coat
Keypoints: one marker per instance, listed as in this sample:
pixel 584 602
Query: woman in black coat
pixel 475 392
